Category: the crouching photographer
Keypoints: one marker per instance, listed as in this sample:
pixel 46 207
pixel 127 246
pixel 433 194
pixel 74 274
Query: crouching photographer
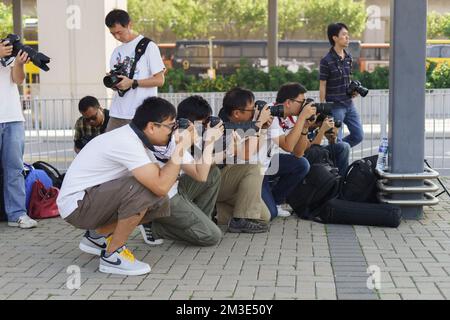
pixel 327 128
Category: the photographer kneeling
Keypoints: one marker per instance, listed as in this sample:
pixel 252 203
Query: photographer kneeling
pixel 339 151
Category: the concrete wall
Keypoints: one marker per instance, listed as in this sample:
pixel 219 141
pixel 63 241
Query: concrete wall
pixel 73 34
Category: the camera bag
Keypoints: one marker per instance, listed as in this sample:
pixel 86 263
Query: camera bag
pixel 337 211
pixel 320 185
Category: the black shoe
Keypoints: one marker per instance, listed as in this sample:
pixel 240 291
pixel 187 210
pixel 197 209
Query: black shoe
pixel 247 226
pixel 147 234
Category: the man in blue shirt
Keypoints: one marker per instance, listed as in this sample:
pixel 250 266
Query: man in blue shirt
pixel 335 77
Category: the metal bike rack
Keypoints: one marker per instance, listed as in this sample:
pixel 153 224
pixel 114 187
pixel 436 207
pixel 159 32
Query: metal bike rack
pixel 429 186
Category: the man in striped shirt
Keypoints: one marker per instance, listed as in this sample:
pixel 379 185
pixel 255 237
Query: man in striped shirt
pixel 335 77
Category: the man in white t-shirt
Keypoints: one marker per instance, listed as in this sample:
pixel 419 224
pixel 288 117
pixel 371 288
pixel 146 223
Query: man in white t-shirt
pixel 148 75
pixel 115 184
pixel 12 137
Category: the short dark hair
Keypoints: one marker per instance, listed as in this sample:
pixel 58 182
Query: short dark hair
pixel 237 99
pixel 334 29
pixel 153 109
pixel 117 16
pixel 194 108
pixel 88 102
pixel 290 90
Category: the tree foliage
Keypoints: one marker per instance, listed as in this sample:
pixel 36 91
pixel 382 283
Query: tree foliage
pixel 6 20
pixel 438 25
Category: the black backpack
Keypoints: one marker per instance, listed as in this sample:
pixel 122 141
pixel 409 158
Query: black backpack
pixel 56 177
pixel 318 154
pixel 359 184
pixel 320 185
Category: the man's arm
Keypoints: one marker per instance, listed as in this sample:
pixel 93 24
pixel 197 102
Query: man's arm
pixel 303 144
pixel 157 80
pixel 18 74
pixel 326 125
pixel 323 90
pixel 289 141
pixel 159 181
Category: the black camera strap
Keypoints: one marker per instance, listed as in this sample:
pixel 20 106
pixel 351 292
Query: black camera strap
pixel 138 53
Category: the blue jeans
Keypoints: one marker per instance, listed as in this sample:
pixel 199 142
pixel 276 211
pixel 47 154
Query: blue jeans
pixel 340 154
pixel 350 117
pixel 12 143
pixel 277 187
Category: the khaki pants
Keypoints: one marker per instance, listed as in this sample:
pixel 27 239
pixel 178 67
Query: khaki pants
pixel 240 194
pixel 191 211
pixel 116 123
pixel 116 200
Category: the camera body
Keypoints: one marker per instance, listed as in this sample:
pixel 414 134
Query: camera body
pixel 337 124
pixel 112 80
pixel 38 58
pixel 275 111
pixel 356 86
pixel 323 109
pixel 183 123
pixel 245 126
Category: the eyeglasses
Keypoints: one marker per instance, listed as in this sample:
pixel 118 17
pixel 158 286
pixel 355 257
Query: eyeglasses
pixel 91 119
pixel 172 126
pixel 301 102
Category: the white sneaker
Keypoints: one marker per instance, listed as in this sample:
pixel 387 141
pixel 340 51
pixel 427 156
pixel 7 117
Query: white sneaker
pixel 122 262
pixel 24 222
pixel 91 245
pixel 282 212
pixel 147 234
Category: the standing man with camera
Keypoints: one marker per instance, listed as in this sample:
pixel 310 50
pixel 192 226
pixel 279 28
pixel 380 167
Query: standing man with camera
pixel 137 64
pixel 335 80
pixel 12 137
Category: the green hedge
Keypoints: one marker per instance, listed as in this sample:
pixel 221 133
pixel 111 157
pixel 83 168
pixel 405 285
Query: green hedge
pixel 258 80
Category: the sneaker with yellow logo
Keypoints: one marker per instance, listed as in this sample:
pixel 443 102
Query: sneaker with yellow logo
pixel 123 262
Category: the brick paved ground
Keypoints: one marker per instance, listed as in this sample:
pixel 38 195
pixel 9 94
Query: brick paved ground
pixel 295 260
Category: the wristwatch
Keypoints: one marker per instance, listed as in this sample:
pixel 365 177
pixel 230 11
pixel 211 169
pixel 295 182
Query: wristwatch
pixel 135 84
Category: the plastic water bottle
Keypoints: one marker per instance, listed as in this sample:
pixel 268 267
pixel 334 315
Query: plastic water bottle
pixel 382 155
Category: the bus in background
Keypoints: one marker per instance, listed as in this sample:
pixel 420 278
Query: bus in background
pixel 167 53
pixel 377 54
pixel 194 56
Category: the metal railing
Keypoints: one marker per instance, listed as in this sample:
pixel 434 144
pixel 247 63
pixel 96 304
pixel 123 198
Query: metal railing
pixel 49 125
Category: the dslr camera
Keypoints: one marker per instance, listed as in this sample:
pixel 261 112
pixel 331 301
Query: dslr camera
pixel 39 59
pixel 244 126
pixel 356 86
pixel 275 111
pixel 337 124
pixel 183 124
pixel 112 80
pixel 323 109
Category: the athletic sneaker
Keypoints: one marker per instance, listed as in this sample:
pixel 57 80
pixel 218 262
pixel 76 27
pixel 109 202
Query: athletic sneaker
pixel 123 262
pixel 282 212
pixel 147 234
pixel 92 245
pixel 247 226
pixel 24 222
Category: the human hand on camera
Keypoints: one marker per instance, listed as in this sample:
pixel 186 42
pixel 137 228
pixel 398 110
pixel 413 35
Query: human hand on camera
pixel 5 49
pixel 213 134
pixel 22 58
pixel 125 84
pixel 308 111
pixel 327 124
pixel 263 116
pixel 185 137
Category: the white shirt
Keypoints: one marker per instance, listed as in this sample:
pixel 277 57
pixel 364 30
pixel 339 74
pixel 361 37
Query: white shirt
pixel 107 157
pixel 166 153
pixel 286 125
pixel 10 106
pixel 150 64
pixel 267 148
